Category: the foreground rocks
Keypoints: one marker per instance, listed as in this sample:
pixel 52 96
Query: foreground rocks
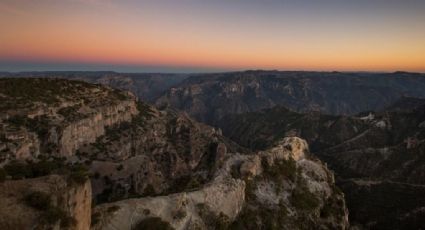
pixel 47 202
pixel 280 188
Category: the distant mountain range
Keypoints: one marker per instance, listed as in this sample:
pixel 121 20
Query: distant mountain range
pixel 372 153
pixel 369 128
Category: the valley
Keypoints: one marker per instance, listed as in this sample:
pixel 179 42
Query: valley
pixel 147 156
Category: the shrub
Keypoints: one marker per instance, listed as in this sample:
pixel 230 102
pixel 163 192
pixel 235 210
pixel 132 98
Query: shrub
pixel 18 170
pixel 153 223
pixel 79 174
pixel 303 199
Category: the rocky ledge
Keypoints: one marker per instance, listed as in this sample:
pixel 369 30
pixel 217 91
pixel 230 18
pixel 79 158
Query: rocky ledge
pixel 275 189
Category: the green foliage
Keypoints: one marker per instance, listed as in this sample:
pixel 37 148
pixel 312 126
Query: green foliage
pixel 280 170
pixel 303 199
pixel 71 113
pixel 39 125
pixel 79 174
pixel 153 223
pixel 18 170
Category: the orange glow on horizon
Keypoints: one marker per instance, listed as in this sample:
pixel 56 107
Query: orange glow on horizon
pixel 88 39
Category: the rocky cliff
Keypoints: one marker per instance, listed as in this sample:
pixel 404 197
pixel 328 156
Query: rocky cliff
pixel 279 188
pixel 210 97
pixel 377 156
pixel 146 167
pixel 51 202
pixel 56 117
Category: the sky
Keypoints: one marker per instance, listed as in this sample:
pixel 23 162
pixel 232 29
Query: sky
pixel 212 35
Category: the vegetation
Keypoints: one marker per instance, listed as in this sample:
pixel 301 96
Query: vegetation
pixel 211 219
pixel 77 173
pixel 51 214
pixel 302 199
pixel 153 223
pixel 280 170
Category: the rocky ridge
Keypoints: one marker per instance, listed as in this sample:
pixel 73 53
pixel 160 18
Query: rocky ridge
pixel 244 186
pixel 210 97
pixel 56 117
pixel 136 155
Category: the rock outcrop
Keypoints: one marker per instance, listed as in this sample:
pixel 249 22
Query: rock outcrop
pixel 56 117
pixel 278 179
pixel 46 202
pixel 210 97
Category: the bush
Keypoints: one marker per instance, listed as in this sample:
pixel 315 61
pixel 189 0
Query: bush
pixel 38 200
pixel 79 174
pixel 18 170
pixel 303 199
pixel 153 223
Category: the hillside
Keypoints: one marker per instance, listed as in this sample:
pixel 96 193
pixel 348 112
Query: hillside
pixel 375 152
pixel 67 146
pixel 210 97
pixel 145 86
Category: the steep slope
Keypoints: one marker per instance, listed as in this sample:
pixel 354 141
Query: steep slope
pixel 74 130
pixel 56 117
pixel 280 188
pixel 374 153
pixel 210 97
pixel 158 152
pixel 50 202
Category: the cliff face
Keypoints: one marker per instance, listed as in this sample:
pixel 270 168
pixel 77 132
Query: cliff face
pixel 280 187
pixel 157 152
pixel 208 98
pixel 86 130
pixel 45 202
pixel 56 117
pixel 377 156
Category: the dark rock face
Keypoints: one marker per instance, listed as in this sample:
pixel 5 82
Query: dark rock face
pixel 169 164
pixel 208 98
pixel 373 155
pixel 159 152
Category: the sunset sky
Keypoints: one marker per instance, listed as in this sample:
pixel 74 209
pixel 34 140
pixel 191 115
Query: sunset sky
pixel 213 35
